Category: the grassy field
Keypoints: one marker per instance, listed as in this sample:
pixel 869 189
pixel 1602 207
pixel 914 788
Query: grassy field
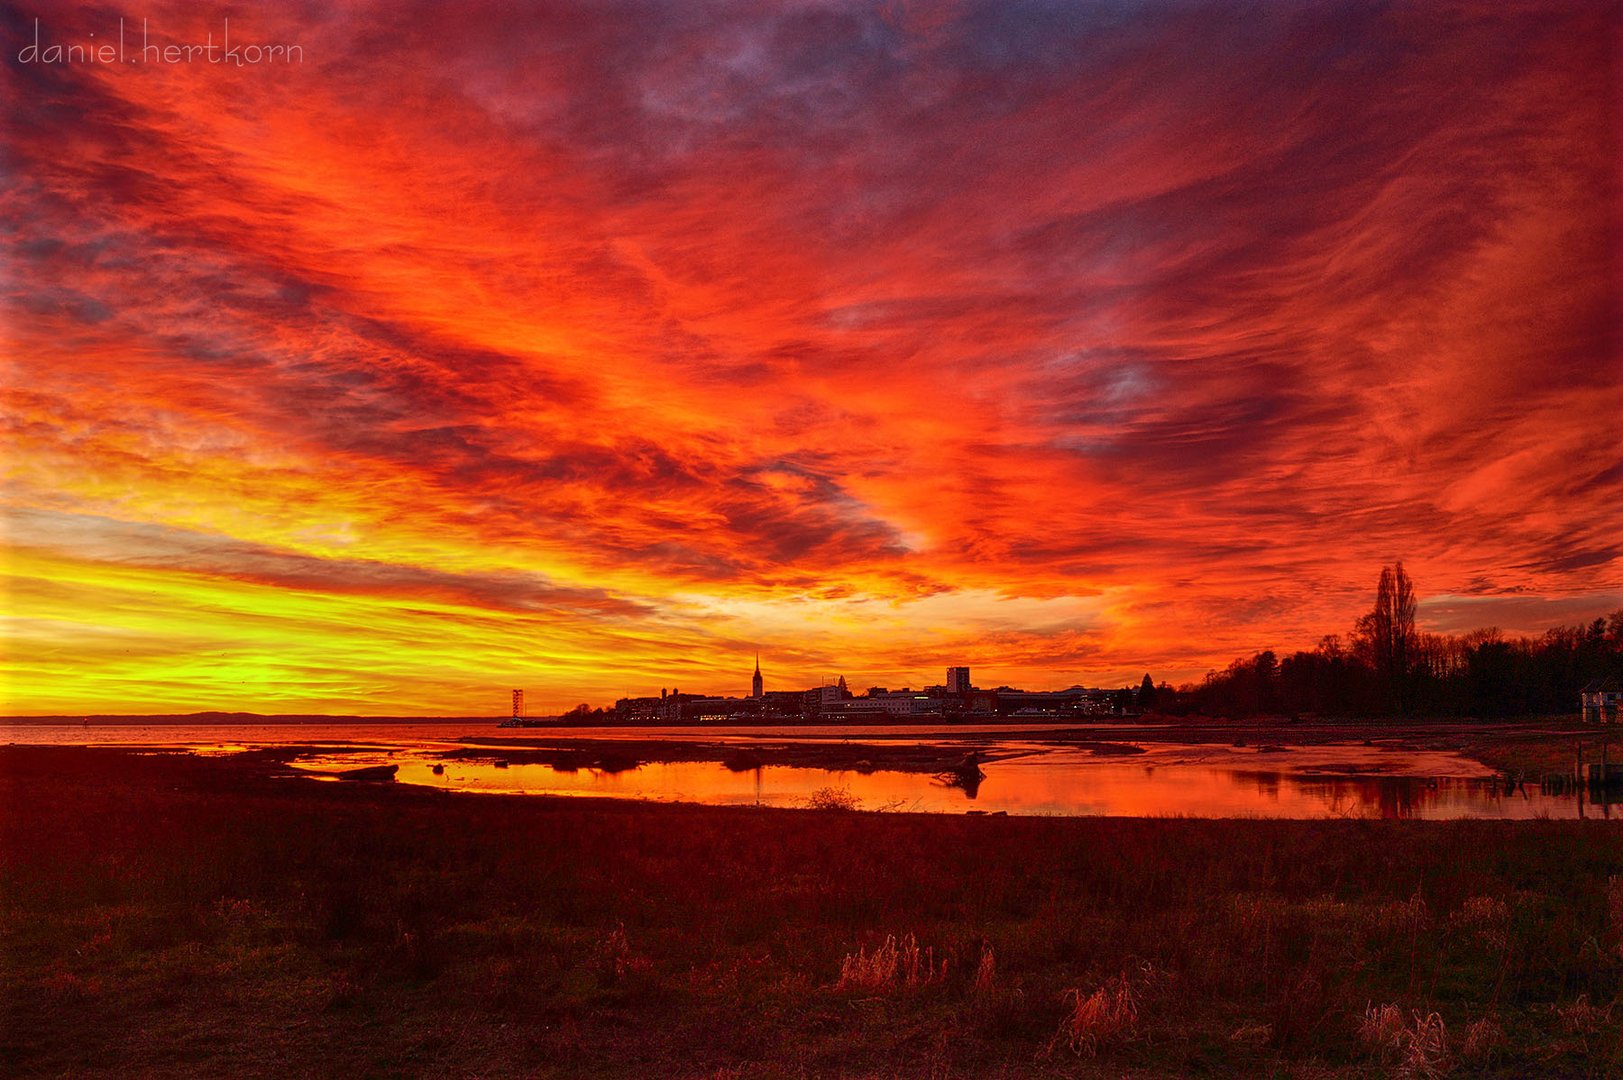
pixel 169 915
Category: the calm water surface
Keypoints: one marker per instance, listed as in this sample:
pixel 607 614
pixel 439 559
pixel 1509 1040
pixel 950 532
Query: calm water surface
pixel 1167 779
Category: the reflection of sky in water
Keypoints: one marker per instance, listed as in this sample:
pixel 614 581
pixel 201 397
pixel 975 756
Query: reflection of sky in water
pixel 1177 780
pixel 1030 777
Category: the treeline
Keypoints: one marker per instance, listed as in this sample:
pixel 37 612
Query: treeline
pixel 1388 667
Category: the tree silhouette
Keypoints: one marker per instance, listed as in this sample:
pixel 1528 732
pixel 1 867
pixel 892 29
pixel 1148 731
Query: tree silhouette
pixel 1388 633
pixel 1146 693
pixel 1480 673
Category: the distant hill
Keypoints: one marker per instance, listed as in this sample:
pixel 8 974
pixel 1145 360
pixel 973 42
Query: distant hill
pixel 238 718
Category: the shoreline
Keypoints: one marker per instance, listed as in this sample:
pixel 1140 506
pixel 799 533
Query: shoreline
pixel 1520 750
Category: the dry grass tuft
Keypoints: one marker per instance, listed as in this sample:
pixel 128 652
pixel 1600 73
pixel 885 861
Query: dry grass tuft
pixel 615 957
pixel 986 972
pixel 1614 911
pixel 1108 1015
pixel 66 988
pixel 1252 1036
pixel 1428 1054
pixel 893 965
pixel 1484 1039
pixel 1581 1018
pixel 1383 1030
pixel 1488 917
pixel 1483 911
pixel 1417 1047
pixel 1402 917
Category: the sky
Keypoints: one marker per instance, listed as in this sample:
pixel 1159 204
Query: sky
pixel 590 348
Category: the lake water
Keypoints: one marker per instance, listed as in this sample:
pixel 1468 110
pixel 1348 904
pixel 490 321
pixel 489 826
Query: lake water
pixel 1032 776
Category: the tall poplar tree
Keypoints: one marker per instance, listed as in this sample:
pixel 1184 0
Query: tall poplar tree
pixel 1390 633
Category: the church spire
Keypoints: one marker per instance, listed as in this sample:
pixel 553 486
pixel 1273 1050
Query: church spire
pixel 755 683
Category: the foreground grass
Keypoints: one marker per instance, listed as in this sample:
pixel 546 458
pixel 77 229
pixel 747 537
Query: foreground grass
pixel 177 916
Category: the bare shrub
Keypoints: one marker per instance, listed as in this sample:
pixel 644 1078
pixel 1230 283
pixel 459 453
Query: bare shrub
pixel 1108 1015
pixel 893 965
pixel 831 798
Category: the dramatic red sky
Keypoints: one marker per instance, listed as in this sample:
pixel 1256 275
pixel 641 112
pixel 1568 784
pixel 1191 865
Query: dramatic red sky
pixel 588 348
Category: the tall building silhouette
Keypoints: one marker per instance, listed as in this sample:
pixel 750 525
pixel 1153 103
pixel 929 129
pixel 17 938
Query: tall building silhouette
pixel 958 680
pixel 755 683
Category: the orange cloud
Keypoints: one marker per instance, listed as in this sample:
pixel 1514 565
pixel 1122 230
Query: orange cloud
pixel 590 348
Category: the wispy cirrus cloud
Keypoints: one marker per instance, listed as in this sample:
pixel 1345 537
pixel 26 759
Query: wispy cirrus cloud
pixel 675 329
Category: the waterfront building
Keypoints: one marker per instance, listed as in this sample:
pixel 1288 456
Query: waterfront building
pixel 1602 700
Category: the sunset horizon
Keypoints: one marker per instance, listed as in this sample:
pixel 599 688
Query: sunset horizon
pixel 593 350
pixel 812 539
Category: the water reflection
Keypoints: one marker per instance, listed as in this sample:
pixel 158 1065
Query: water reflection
pixel 1056 785
pixel 1035 770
